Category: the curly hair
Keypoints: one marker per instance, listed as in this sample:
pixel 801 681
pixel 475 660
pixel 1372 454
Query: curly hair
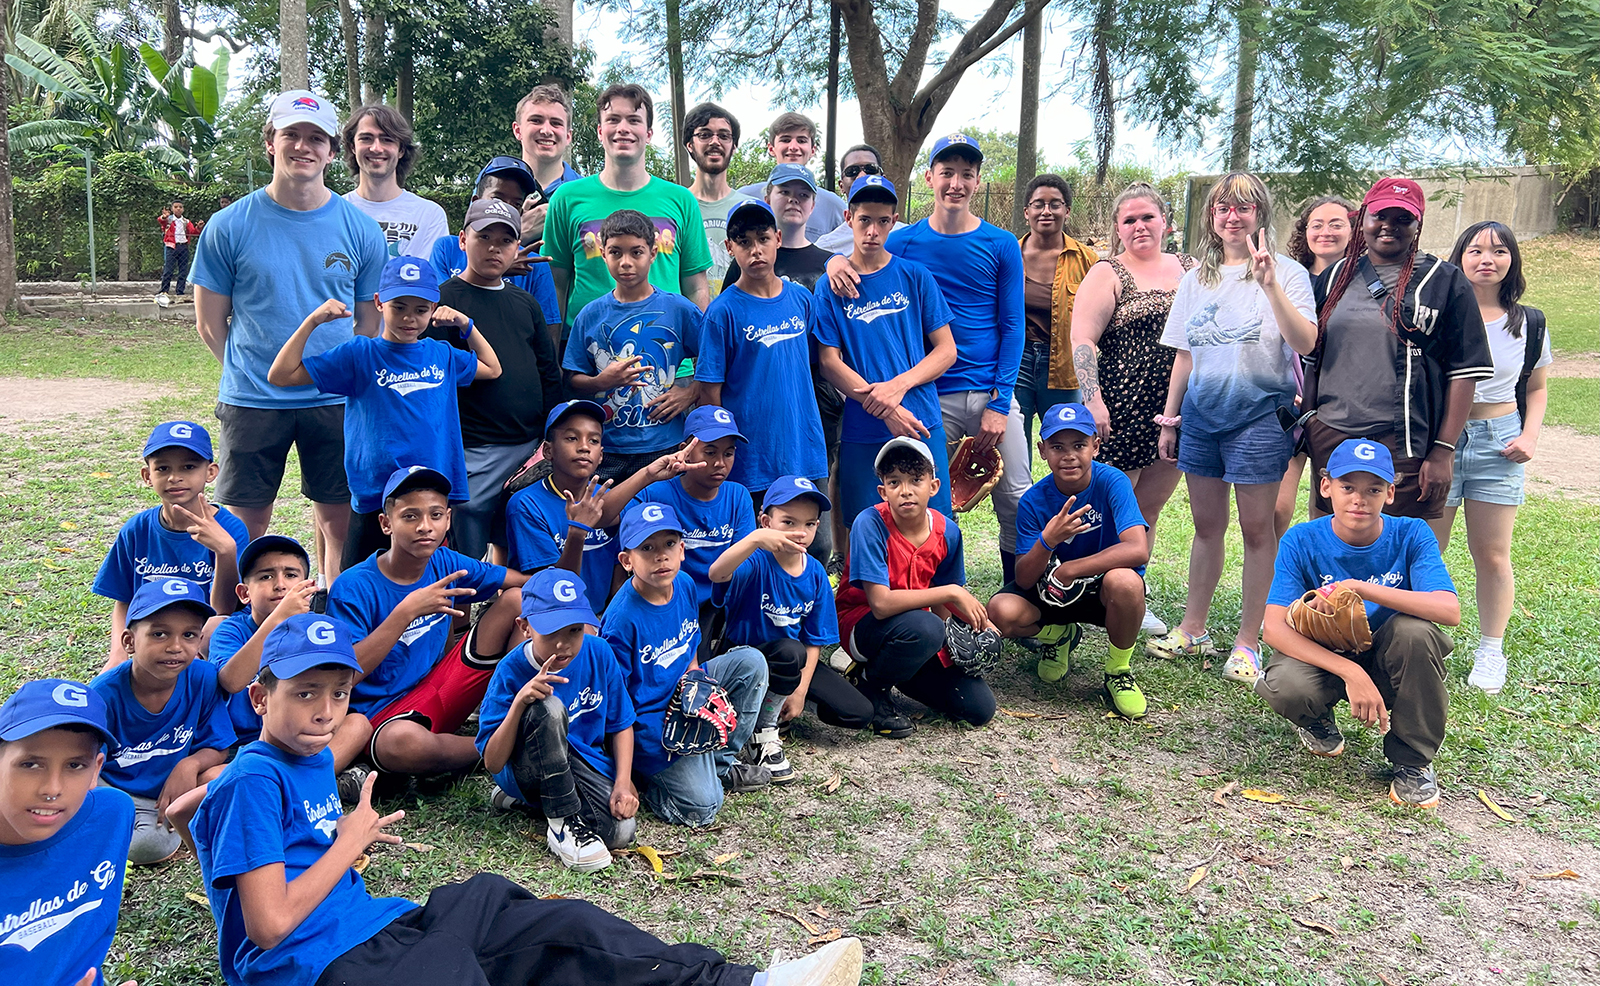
pixel 1298 248
pixel 628 222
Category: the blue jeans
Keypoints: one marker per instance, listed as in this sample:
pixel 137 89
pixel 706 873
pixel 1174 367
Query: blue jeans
pixel 1033 392
pixel 689 790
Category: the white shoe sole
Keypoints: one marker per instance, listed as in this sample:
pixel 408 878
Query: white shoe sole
pixel 835 964
pixel 581 865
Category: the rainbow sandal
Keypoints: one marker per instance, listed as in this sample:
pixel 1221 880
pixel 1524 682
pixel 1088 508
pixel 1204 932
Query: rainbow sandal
pixel 1179 643
pixel 1244 665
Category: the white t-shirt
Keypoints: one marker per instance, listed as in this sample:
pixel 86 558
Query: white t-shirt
pixel 1509 351
pixel 180 230
pixel 1243 369
pixel 410 222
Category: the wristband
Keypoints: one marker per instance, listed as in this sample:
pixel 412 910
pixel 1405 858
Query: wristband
pixel 466 333
pixel 1046 546
pixel 1440 441
pixel 1167 421
pixel 581 526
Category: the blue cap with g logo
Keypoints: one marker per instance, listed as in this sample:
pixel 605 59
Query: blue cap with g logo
pixel 787 488
pixel 52 702
pixel 644 519
pixel 955 144
pixel 1361 455
pixel 408 277
pixel 1063 417
pixel 156 595
pixel 179 434
pixel 305 641
pixel 710 423
pixel 554 599
pixel 873 188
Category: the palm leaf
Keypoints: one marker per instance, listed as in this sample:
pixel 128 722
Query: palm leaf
pixel 48 69
pixel 39 135
pixel 204 93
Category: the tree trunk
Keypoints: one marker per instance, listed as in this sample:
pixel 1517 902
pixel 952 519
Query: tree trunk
pixel 124 246
pixel 8 237
pixel 1028 124
pixel 680 151
pixel 352 61
pixel 293 71
pixel 1244 89
pixel 561 27
pixel 377 39
pixel 173 32
pixel 1101 91
pixel 405 78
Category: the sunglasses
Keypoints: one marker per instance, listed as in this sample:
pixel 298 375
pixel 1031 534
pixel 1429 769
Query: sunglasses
pixel 862 169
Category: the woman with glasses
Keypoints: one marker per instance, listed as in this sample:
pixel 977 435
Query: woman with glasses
pixel 1121 367
pixel 1237 322
pixel 1053 267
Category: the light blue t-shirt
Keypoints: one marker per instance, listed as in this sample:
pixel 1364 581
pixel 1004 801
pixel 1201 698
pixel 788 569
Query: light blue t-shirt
pixel 449 260
pixel 536 534
pixel 759 349
pixel 146 549
pixel 279 265
pixel 1405 556
pixel 766 603
pixel 654 645
pixel 709 528
pixel 270 807
pixel 664 329
pixel 401 410
pixel 882 333
pixel 1112 510
pixel 150 744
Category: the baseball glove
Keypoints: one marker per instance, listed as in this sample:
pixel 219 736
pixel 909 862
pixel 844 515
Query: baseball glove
pixel 530 472
pixel 974 653
pixel 1344 630
pixel 1054 592
pixel 699 718
pixel 973 474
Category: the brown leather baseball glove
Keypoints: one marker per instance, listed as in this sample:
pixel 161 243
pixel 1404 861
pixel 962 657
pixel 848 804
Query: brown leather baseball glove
pixel 973 474
pixel 1344 629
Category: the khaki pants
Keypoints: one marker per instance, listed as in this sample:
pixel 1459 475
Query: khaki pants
pixel 963 416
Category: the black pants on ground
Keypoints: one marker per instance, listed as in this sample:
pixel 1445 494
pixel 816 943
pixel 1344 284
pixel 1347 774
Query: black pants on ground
pixel 563 782
pixel 489 930
pixel 902 652
pixel 786 659
pixel 174 263
pixel 1406 664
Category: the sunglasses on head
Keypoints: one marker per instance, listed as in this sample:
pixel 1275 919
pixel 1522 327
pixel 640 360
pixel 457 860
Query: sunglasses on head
pixel 862 169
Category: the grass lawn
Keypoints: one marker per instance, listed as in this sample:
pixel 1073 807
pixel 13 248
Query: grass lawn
pixel 1055 845
pixel 1575 402
pixel 1563 272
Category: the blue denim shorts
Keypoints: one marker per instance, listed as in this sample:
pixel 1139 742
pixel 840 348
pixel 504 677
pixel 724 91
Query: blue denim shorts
pixel 1481 473
pixel 1257 453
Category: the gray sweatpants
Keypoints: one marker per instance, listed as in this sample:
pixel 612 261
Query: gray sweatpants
pixel 963 416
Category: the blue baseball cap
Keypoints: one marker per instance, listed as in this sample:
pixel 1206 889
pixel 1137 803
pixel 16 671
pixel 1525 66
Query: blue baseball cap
pixel 179 434
pixel 305 641
pixel 573 407
pixel 267 544
pixel 51 702
pixel 156 595
pixel 408 478
pixel 408 277
pixel 783 174
pixel 1063 417
pixel 1361 455
pixel 787 488
pixel 510 166
pixel 955 144
pixel 641 520
pixel 874 188
pixel 710 423
pixel 554 599
pixel 751 210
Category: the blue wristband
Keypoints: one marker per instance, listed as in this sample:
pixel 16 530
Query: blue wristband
pixel 1046 546
pixel 583 527
pixel 466 333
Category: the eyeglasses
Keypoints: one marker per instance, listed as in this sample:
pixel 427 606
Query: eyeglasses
pixel 706 136
pixel 862 169
pixel 1238 209
pixel 1332 225
pixel 1047 205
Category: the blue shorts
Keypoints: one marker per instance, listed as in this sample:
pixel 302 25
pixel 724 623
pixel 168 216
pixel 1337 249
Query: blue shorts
pixel 1481 473
pixel 858 481
pixel 1257 453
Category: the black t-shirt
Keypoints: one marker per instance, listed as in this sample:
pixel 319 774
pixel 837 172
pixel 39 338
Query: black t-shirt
pixel 510 409
pixel 802 265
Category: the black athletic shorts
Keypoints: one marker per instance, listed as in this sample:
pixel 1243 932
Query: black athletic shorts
pixel 254 449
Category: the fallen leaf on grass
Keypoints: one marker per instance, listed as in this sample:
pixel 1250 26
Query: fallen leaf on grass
pixel 361 863
pixel 1055 765
pixel 652 857
pixel 64 551
pixel 1316 926
pixel 1563 875
pixel 100 475
pixel 1265 797
pixel 797 919
pixel 1195 877
pixel 1314 898
pixel 1386 980
pixel 821 912
pixel 832 783
pixel 18 602
pixel 1232 787
pixel 832 934
pixel 418 846
pixel 724 858
pixel 51 566
pixel 68 525
pixel 1500 812
pixel 1345 862
pixel 198 899
pixel 553 897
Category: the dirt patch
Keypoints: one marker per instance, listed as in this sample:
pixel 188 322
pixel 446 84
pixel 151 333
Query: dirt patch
pixel 1585 365
pixel 1568 464
pixel 30 400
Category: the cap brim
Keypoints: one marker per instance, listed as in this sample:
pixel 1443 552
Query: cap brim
pixel 717 433
pixel 894 443
pixel 38 724
pixel 154 447
pixel 965 150
pixel 556 620
pixel 589 408
pixel 140 614
pixel 482 224
pixel 820 497
pixel 873 193
pixel 651 530
pixel 1386 202
pixel 299 664
pixel 1348 470
pixel 299 117
pixel 426 294
pixel 1082 429
pixel 267 544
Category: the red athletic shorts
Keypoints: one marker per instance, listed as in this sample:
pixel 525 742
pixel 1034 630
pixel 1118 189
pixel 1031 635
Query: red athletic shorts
pixel 444 699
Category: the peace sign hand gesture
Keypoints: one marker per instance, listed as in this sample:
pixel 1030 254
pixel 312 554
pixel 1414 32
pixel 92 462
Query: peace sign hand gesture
pixel 589 505
pixel 675 463
pixel 1263 265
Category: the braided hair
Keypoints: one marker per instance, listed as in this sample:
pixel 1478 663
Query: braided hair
pixel 1347 273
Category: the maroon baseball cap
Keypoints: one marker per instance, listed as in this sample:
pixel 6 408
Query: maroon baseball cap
pixel 1398 193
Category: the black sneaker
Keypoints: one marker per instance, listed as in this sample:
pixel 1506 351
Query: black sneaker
pixel 887 720
pixel 351 781
pixel 1414 787
pixel 742 778
pixel 1322 737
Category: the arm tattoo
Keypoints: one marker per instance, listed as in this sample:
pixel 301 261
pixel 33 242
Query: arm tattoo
pixel 1088 371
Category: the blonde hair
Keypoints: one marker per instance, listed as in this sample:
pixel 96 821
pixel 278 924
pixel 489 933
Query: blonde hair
pixel 1138 190
pixel 1239 188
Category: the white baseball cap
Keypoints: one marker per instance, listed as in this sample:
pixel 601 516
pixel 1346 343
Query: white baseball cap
pixel 303 106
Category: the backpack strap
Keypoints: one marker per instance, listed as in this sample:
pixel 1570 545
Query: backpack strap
pixel 1534 327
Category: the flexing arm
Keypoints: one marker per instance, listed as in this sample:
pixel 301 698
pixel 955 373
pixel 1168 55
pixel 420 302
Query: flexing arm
pixel 288 368
pixel 211 312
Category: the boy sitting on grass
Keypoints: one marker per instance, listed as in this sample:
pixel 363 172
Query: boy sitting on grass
pixel 274 584
pixel 401 389
pixel 1082 526
pixel 185 537
pixel 1393 563
pixel 400 603
pixel 778 600
pixel 556 727
pixel 653 626
pixel 625 349
pixel 906 574
pixel 63 839
pixel 276 851
pixel 165 710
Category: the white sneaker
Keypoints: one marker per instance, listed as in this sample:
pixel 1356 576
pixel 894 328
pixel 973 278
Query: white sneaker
pixel 837 963
pixel 1488 671
pixel 164 300
pixel 1152 624
pixel 576 844
pixel 768 752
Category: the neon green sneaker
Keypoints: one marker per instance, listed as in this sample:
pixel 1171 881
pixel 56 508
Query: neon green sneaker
pixel 1122 695
pixel 1053 665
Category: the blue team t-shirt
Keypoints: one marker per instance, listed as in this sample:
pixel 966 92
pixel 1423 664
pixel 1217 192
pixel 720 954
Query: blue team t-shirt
pixel 279 265
pixel 226 639
pixel 654 645
pixel 536 531
pixel 759 349
pixel 270 807
pixel 59 898
pixel 1405 556
pixel 709 529
pixel 363 597
pixel 401 412
pixel 1112 510
pixel 766 603
pixel 151 743
pixel 980 274
pixel 594 693
pixel 882 333
pixel 664 329
pixel 449 260
pixel 145 549
pixel 870 557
